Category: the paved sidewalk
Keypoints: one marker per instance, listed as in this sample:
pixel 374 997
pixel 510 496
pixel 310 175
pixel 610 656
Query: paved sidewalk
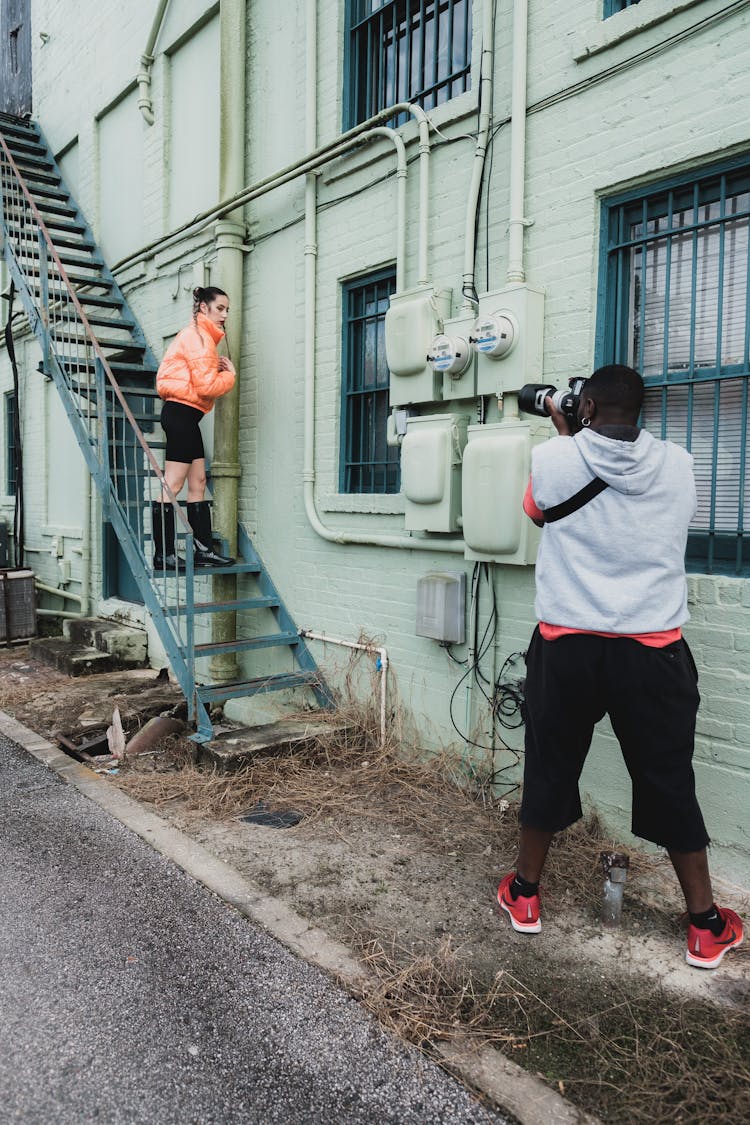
pixel 129 993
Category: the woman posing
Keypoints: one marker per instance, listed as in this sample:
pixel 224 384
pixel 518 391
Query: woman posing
pixel 190 378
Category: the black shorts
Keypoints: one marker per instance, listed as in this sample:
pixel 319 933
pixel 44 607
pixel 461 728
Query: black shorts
pixel 651 696
pixel 181 424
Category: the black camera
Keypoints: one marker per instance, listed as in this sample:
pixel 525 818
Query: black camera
pixel 531 399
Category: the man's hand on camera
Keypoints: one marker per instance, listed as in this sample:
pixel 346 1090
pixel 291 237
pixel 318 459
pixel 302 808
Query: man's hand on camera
pixel 560 421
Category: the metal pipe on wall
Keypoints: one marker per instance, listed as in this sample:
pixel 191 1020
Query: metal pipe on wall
pixel 517 220
pixel 145 101
pixel 480 154
pixel 230 236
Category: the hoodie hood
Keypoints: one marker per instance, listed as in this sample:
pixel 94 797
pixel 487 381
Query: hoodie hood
pixel 629 467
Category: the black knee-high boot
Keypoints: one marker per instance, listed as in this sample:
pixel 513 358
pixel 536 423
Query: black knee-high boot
pixel 162 525
pixel 199 518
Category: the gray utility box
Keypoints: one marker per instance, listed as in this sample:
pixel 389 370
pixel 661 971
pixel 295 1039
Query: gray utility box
pixel 441 607
pixel 17 605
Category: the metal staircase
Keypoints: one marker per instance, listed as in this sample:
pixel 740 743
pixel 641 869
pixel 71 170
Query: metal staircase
pixel 94 350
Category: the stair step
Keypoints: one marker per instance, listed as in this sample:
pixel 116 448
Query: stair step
pixel 235 568
pixel 49 191
pixel 211 693
pixel 73 242
pixel 123 322
pixel 246 644
pixel 17 127
pixel 235 748
pixel 31 145
pixel 65 226
pixel 237 606
pixel 99 301
pixel 42 176
pixel 74 278
pixel 103 341
pixel 25 161
pixel 49 207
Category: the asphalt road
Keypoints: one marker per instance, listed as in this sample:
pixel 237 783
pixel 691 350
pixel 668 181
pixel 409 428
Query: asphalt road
pixel 129 993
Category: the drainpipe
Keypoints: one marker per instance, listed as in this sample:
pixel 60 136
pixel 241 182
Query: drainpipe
pixel 230 236
pixel 517 222
pixel 480 154
pixel 145 103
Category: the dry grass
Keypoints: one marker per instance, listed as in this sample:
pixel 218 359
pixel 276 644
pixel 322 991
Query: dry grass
pixel 625 1051
pixel 629 1054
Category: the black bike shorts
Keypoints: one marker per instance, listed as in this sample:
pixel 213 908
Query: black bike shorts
pixel 651 696
pixel 181 424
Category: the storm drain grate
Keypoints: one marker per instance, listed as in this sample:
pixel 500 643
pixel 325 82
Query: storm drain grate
pixel 262 813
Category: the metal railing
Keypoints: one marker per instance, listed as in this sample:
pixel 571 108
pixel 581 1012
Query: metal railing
pixel 116 452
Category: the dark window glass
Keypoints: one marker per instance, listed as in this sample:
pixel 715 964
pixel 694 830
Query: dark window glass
pixel 678 311
pixel 405 50
pixel 613 6
pixel 368 464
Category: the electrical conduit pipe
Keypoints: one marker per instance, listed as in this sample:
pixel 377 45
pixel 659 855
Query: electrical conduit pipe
pixel 517 221
pixel 311 250
pixel 480 154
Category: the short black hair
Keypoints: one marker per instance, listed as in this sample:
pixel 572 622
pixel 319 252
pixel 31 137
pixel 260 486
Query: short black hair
pixel 618 389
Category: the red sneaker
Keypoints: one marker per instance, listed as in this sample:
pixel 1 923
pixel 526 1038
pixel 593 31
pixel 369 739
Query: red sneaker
pixel 705 950
pixel 523 912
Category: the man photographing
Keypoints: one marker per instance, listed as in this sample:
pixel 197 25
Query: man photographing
pixel 611 598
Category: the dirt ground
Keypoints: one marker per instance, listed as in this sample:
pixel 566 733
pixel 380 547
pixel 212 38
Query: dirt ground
pixel 395 858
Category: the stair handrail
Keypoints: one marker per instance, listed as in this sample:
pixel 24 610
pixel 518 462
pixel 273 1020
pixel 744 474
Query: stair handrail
pixel 185 646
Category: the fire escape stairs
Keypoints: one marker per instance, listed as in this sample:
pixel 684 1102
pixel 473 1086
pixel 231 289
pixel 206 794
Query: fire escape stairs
pixel 95 351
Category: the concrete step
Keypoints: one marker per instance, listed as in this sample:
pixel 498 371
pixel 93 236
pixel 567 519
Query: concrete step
pixel 128 646
pixel 90 646
pixel 234 748
pixel 73 659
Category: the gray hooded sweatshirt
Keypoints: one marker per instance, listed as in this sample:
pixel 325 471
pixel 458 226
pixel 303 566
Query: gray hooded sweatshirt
pixel 617 565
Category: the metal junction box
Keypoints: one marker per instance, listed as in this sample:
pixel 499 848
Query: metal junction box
pixel 496 467
pixel 441 607
pixel 508 337
pixel 431 471
pixel 414 318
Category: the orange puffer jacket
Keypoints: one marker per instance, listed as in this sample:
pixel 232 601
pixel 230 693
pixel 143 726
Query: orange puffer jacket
pixel 189 372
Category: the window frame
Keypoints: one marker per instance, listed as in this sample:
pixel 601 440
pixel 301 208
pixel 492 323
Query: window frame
pixel 353 114
pixel 349 288
pixel 710 550
pixel 613 7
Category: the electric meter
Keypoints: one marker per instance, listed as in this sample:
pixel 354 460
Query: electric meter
pixel 493 335
pixel 449 355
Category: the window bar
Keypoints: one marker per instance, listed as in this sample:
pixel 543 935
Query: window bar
pixel 693 284
pixel 373 408
pixel 714 463
pixel 381 96
pixel 620 290
pixel 419 82
pixel 742 470
pixel 435 50
pixel 720 278
pixel 367 90
pixel 451 7
pixel 664 408
pixel 668 282
pixel 746 349
pixel 644 288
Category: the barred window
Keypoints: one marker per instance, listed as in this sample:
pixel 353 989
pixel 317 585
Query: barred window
pixel 613 6
pixel 405 50
pixel 678 310
pixel 368 464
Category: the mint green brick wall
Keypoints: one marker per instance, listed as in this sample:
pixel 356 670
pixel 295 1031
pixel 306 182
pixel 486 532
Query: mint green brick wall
pixel 635 121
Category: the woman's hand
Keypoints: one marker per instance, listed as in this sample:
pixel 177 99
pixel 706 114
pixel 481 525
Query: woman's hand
pixel 225 364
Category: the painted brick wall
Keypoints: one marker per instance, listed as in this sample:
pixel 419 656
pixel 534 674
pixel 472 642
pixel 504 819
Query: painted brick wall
pixel 621 117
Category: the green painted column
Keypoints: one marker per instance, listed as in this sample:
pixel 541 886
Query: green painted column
pixel 230 234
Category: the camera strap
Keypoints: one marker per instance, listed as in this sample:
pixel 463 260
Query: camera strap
pixel 573 503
